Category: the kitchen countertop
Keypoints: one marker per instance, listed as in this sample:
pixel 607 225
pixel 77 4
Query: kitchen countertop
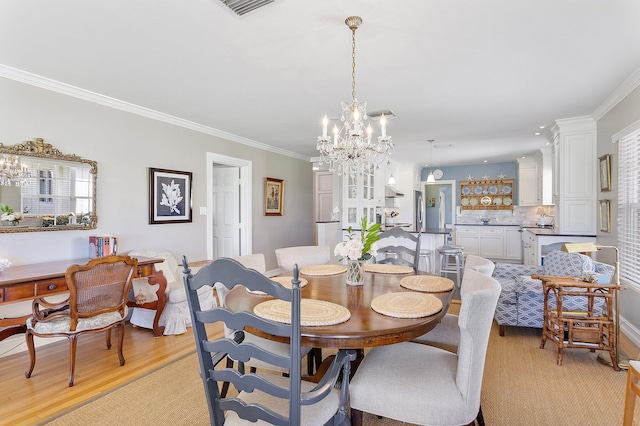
pixel 553 232
pixel 412 230
pixel 488 224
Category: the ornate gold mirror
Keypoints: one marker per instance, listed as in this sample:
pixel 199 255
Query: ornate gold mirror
pixel 42 189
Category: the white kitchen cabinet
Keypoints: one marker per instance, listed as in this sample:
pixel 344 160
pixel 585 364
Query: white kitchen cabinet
pixel 513 243
pixel 467 237
pixel 574 175
pixel 359 198
pixel 492 242
pixel 529 243
pixel 528 182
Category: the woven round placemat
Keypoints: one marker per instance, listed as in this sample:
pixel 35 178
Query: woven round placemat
pixel 312 312
pixel 405 304
pixel 427 283
pixel 386 268
pixel 285 281
pixel 329 269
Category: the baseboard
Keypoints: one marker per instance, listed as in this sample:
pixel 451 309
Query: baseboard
pixel 629 339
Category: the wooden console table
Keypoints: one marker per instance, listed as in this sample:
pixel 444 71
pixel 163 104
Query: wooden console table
pixel 27 282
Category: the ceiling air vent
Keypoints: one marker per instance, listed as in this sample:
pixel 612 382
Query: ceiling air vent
pixel 388 114
pixel 245 6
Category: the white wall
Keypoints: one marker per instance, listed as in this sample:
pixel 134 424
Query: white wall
pixel 625 113
pixel 125 145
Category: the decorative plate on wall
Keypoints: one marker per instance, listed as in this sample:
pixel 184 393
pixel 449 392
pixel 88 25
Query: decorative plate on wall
pixel 506 189
pixel 466 190
pixel 474 202
pixel 485 201
pixel 507 201
pixel 478 190
pixel 497 201
pixel 493 189
pixel 464 202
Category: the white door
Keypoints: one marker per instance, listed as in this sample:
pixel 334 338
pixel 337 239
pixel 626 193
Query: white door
pixel 225 187
pixel 324 196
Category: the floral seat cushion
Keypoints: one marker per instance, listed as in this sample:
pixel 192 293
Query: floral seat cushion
pixel 63 324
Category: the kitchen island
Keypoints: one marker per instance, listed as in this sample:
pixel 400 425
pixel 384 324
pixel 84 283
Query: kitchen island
pixel 537 242
pixel 496 241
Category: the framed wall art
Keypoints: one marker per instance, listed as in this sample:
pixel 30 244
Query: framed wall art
pixel 605 221
pixel 273 197
pixel 169 196
pixel 605 173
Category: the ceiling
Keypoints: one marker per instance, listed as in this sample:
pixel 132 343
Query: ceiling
pixel 478 77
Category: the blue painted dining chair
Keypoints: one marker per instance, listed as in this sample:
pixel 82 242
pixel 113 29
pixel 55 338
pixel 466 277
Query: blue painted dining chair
pixel 262 395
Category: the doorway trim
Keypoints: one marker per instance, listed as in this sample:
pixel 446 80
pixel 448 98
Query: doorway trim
pixel 453 196
pixel 246 171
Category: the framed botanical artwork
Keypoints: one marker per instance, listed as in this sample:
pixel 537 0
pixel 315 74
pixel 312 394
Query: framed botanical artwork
pixel 169 196
pixel 605 221
pixel 605 173
pixel 273 197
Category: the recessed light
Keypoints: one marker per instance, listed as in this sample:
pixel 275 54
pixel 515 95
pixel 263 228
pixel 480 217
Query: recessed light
pixel 485 161
pixel 541 127
pixel 537 133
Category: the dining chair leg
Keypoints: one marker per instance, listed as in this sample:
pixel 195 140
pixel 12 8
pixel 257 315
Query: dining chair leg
pixel 121 343
pixel 480 417
pixel 108 338
pixel 73 340
pixel 356 417
pixel 32 354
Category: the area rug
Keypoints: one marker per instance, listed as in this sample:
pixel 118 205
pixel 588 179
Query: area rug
pixel 522 386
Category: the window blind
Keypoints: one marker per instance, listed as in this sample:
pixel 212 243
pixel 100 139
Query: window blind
pixel 629 208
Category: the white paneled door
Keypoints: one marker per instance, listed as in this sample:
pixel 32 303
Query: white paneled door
pixel 225 187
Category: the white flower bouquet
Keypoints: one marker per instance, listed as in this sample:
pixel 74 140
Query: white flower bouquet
pixel 360 246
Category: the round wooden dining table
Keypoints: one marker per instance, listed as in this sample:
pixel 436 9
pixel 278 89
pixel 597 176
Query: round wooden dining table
pixel 366 327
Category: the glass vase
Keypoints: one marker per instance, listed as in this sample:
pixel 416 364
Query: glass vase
pixel 355 272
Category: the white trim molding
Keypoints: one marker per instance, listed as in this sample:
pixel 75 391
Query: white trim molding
pixel 628 86
pixel 76 92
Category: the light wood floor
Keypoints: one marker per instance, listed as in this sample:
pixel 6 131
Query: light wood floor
pixel 30 401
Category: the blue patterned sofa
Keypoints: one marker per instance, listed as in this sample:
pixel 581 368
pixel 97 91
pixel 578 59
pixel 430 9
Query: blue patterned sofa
pixel 521 303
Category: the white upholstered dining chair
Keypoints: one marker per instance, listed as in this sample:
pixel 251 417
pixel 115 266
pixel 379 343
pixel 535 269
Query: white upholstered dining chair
pixel 421 384
pixel 302 256
pixel 446 335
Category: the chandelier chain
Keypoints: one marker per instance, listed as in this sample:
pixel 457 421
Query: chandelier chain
pixel 353 64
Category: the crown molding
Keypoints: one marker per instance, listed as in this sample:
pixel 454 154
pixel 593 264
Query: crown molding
pixel 628 86
pixel 76 92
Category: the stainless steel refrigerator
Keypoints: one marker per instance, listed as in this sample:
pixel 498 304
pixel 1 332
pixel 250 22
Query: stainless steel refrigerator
pixel 418 210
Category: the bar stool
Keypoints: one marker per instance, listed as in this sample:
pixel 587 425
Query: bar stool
pixel 426 255
pixel 451 261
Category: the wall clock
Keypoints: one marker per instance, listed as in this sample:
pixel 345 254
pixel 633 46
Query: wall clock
pixel 437 173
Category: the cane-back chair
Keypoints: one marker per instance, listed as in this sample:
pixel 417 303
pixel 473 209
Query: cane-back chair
pixel 97 302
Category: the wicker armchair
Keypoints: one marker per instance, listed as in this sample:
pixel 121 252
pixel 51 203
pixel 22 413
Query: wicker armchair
pixel 97 302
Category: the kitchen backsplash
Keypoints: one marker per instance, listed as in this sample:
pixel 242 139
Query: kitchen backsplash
pixel 526 216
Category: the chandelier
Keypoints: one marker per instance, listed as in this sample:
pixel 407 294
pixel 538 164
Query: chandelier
pixel 351 149
pixel 12 170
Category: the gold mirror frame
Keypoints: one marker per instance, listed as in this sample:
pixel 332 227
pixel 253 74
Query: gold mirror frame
pixel 39 149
